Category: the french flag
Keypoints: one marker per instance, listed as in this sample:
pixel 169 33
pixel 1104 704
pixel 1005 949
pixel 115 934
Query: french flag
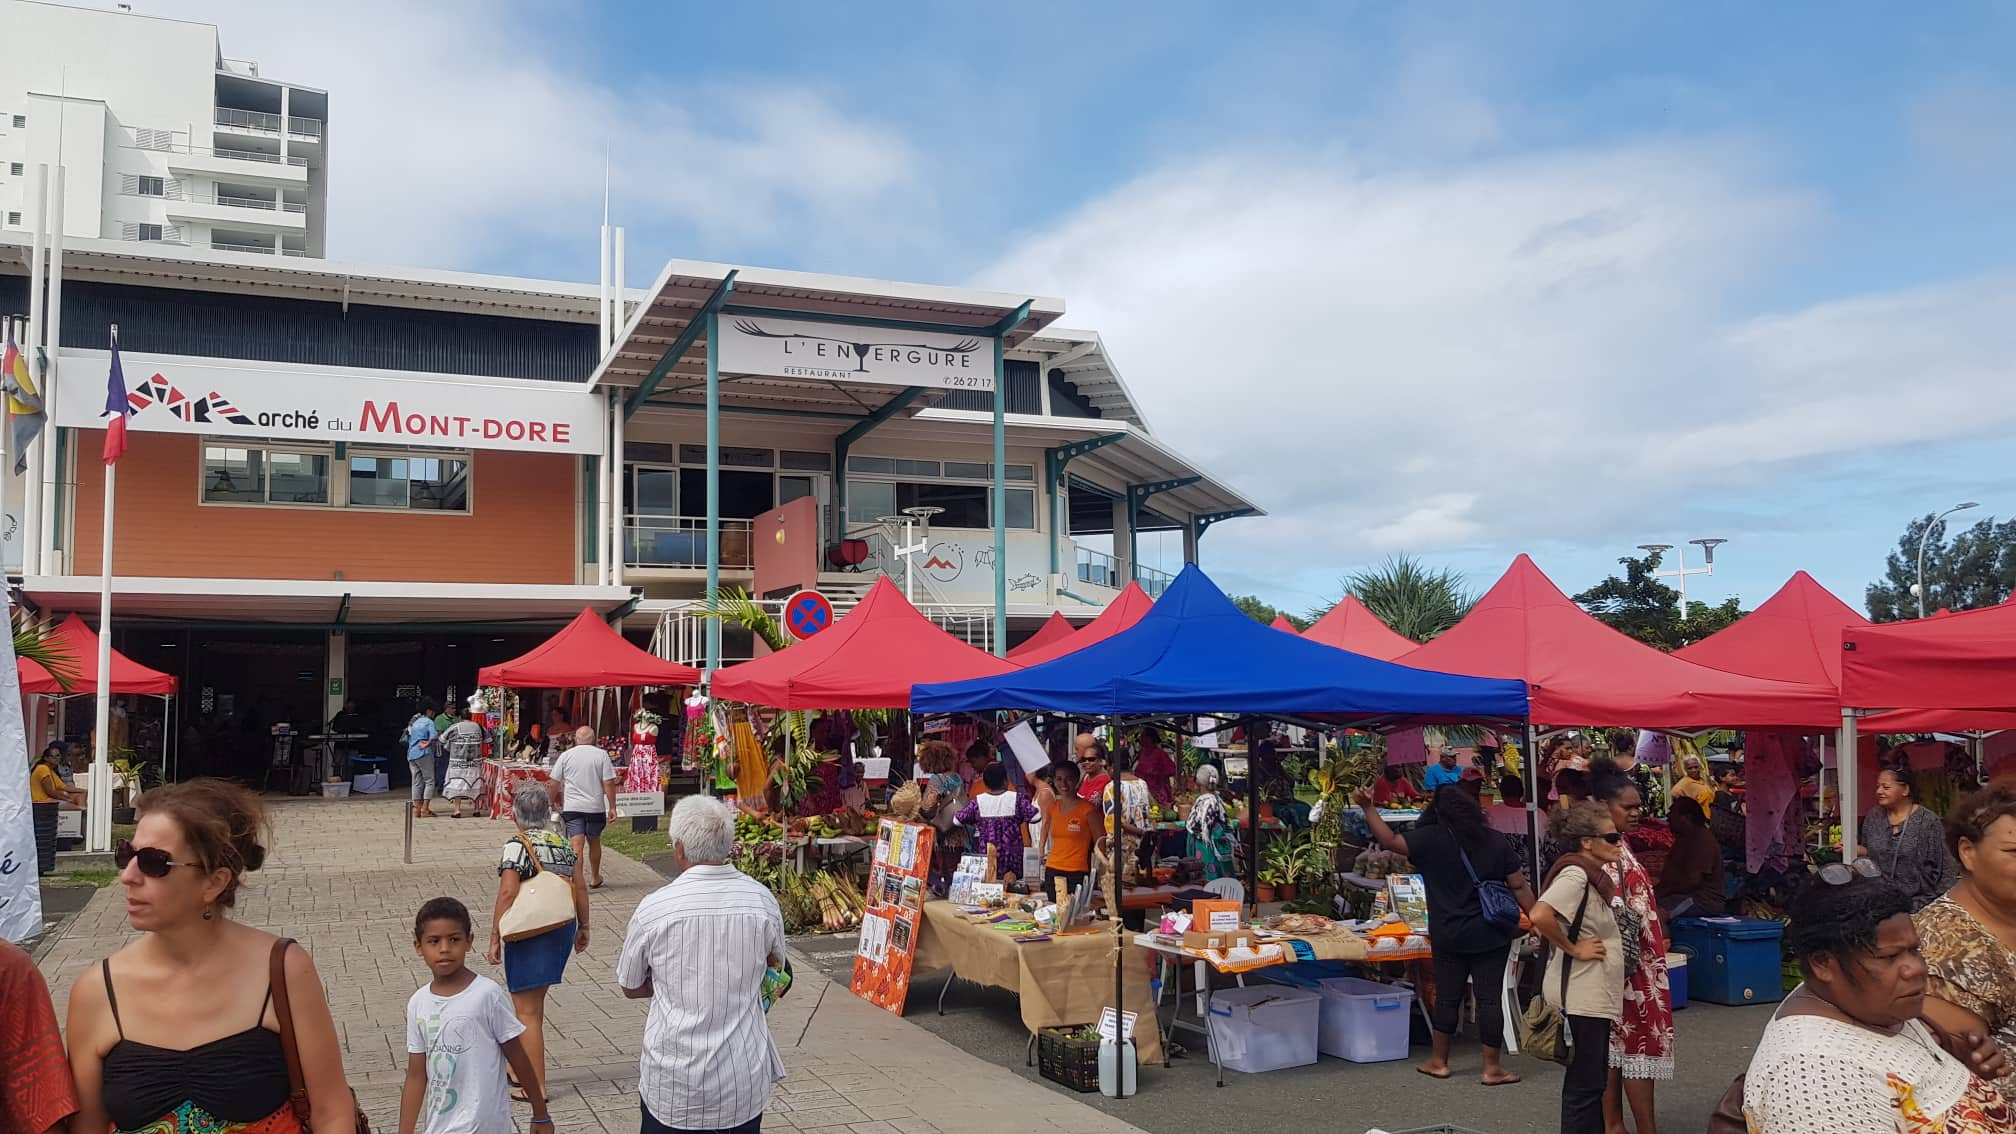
pixel 116 406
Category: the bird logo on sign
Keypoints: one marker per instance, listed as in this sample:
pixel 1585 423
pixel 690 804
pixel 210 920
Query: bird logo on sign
pixel 807 613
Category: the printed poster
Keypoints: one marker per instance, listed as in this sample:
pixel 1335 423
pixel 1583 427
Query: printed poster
pixel 895 914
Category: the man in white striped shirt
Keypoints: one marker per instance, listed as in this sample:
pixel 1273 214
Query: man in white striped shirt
pixel 698 947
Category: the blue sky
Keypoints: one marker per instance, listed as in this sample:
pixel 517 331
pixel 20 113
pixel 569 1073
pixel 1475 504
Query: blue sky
pixel 1456 280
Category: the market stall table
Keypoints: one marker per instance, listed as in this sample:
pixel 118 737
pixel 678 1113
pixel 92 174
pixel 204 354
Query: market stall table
pixel 1066 980
pixel 501 781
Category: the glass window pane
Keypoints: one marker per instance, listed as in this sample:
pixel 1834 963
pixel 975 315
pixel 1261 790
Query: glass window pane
pixel 378 482
pixel 965 505
pixel 870 465
pixel 1024 473
pixel 657 493
pixel 868 501
pixel 1021 508
pixel 966 470
pixel 439 484
pixel 810 462
pixel 235 476
pixel 791 488
pixel 298 478
pixel 916 468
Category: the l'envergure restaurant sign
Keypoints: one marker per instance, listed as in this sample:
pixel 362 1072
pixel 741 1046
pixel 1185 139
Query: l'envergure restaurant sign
pixel 842 352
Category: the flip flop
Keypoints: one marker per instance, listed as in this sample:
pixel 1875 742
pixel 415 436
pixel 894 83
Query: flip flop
pixel 1505 1082
pixel 594 885
pixel 1433 1075
pixel 518 1095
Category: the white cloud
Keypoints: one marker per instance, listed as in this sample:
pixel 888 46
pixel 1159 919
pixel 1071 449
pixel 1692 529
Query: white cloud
pixel 1510 353
pixel 460 134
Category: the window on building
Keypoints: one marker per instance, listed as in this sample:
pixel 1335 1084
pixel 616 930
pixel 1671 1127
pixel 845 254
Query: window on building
pixel 13 218
pixel 422 483
pixel 15 168
pixel 20 122
pixel 297 478
pixel 233 476
pixel 147 232
pixel 963 505
pixel 147 186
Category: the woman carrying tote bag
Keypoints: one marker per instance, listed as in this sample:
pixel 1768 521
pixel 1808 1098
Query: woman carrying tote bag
pixel 541 915
pixel 1583 979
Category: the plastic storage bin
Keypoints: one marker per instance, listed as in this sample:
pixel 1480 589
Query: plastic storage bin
pixel 1363 1021
pixel 1265 1027
pixel 1676 978
pixel 1735 959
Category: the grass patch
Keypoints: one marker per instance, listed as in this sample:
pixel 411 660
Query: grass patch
pixel 620 838
pixel 98 878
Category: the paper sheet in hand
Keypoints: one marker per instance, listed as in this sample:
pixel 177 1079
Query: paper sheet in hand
pixel 1027 749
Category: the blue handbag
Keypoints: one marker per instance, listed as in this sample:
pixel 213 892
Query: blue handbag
pixel 1494 898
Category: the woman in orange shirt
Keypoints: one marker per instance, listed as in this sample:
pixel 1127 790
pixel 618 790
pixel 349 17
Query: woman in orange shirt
pixel 1070 825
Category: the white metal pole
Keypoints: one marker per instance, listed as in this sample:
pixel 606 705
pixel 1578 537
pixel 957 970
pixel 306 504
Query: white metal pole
pixel 31 504
pixel 605 547
pixel 53 340
pixel 1850 783
pixel 100 798
pixel 616 516
pixel 602 294
pixel 618 310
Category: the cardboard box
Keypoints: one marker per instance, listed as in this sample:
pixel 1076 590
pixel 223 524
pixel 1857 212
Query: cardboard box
pixel 1214 915
pixel 1229 939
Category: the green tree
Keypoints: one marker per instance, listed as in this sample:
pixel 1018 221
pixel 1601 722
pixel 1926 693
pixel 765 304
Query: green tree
pixel 1639 605
pixel 1260 611
pixel 1416 602
pixel 1976 568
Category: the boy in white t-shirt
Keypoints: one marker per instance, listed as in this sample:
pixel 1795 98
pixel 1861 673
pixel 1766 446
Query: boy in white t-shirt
pixel 460 1031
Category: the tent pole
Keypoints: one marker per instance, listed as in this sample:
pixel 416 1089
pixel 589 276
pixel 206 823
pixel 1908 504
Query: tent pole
pixel 1845 767
pixel 1252 818
pixel 1530 765
pixel 1119 891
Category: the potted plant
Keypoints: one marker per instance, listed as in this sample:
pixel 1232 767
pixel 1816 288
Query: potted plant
pixel 1265 883
pixel 1282 858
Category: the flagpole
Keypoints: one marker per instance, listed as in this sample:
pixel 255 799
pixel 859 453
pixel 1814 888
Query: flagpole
pixel 99 800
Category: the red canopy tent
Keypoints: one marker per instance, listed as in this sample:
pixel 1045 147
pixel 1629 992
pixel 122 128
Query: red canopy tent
pixel 1123 612
pixel 1960 661
pixel 1281 623
pixel 1351 626
pixel 585 654
pixel 1582 672
pixel 74 638
pixel 1055 630
pixel 1796 634
pixel 868 659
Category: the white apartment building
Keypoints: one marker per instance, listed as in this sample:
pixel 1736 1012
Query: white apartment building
pixel 163 139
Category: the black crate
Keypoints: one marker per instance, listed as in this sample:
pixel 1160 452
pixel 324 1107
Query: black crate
pixel 1072 1062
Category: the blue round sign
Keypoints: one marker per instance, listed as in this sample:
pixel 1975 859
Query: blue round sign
pixel 807 613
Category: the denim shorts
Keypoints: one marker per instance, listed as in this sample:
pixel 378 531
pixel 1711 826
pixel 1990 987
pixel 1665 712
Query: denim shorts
pixel 589 823
pixel 537 962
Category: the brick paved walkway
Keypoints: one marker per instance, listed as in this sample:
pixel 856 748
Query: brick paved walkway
pixel 336 882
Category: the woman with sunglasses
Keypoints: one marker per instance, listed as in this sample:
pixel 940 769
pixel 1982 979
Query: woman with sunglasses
pixel 1574 914
pixel 176 1033
pixel 1847 1052
pixel 1969 935
pixel 1907 842
pixel 1641 1045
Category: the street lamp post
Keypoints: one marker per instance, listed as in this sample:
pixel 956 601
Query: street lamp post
pixel 1680 571
pixel 1918 588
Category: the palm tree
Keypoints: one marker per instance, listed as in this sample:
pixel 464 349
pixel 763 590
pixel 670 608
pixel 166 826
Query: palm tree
pixel 1416 602
pixel 36 641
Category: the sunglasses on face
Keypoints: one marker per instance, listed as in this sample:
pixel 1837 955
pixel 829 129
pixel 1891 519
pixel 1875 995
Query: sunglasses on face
pixel 1842 873
pixel 154 862
pixel 1613 838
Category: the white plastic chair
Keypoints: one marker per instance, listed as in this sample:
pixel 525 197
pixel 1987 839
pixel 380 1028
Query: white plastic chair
pixel 1230 889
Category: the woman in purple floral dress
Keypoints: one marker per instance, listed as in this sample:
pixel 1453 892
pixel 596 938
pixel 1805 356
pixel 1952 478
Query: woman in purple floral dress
pixel 997 816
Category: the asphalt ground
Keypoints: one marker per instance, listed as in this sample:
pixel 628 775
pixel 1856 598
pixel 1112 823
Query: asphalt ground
pixel 1714 1045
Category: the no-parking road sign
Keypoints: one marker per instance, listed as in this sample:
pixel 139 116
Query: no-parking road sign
pixel 807 613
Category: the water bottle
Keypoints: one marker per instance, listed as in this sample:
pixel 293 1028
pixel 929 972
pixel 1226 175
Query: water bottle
pixel 1116 1068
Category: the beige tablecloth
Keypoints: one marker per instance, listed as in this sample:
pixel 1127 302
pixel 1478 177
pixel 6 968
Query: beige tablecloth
pixel 1065 980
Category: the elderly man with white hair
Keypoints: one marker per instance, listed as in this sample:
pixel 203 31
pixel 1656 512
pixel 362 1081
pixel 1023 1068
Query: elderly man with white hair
pixel 699 948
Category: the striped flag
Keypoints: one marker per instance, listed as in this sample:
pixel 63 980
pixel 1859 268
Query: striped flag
pixel 23 403
pixel 116 406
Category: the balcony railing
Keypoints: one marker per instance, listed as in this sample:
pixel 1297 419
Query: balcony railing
pixel 1102 570
pixel 255 155
pixel 163 142
pixel 681 541
pixel 248 119
pixel 305 127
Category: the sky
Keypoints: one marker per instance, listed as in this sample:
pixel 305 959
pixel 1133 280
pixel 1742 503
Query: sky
pixel 1456 280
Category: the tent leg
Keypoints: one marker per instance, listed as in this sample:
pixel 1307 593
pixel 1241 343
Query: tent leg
pixel 1252 817
pixel 1850 783
pixel 1119 890
pixel 1530 765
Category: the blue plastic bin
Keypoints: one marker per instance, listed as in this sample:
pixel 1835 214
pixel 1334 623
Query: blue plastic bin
pixel 1676 976
pixel 1735 959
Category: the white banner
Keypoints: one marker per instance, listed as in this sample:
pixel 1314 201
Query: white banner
pixel 841 352
pixel 20 883
pixel 230 398
pixel 630 804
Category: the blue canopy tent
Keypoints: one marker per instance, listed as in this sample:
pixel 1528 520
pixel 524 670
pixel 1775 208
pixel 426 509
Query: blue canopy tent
pixel 1195 653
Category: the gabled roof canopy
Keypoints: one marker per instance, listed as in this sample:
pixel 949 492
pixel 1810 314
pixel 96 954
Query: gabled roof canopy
pixel 73 638
pixel 1351 626
pixel 1124 611
pixel 586 654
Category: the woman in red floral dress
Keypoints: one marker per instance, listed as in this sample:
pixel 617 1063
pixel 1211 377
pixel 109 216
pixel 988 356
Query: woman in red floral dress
pixel 1641 1047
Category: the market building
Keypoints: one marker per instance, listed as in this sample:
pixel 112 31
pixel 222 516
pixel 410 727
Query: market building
pixel 349 482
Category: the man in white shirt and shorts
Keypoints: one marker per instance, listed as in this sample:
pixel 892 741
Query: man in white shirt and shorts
pixel 584 780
